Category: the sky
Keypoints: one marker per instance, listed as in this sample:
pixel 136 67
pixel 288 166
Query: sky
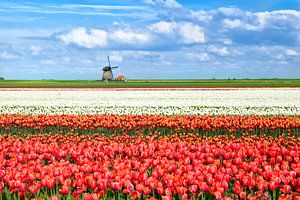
pixel 150 39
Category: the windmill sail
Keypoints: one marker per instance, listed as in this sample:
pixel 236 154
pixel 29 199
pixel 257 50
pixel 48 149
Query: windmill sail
pixel 108 61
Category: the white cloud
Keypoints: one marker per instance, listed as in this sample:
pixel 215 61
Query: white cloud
pixel 256 21
pixel 163 27
pixel 290 52
pixel 202 15
pixel 188 32
pixel 35 50
pixel 229 12
pixel 164 3
pixel 82 38
pixel 191 33
pixel 198 56
pixel 185 26
pixel 279 18
pixel 235 23
pixel 7 56
pixel 219 51
pixel 129 37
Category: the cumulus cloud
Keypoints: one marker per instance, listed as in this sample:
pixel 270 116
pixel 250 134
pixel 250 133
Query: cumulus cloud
pixel 130 37
pixel 188 33
pixel 81 37
pixel 234 23
pixel 291 52
pixel 257 21
pixel 201 15
pixel 229 11
pixel 239 25
pixel 176 26
pixel 279 19
pixel 191 33
pixel 175 35
pixel 163 27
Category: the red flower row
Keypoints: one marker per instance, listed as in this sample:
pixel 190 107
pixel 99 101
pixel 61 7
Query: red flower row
pixel 185 166
pixel 152 122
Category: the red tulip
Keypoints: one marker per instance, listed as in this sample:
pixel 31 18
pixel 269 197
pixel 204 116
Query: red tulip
pixel 147 190
pixel 286 189
pixel 218 195
pixel 33 189
pixel 64 190
pixel 242 195
pixel 193 188
pixel 184 197
pixel 203 187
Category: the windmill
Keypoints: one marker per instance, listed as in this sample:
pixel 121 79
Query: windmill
pixel 107 72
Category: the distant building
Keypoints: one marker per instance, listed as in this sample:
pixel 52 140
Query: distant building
pixel 121 78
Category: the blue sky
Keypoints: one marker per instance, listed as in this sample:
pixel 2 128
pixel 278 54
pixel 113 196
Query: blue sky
pixel 150 39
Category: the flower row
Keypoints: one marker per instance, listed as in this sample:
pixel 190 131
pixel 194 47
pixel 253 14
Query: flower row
pixel 122 167
pixel 163 110
pixel 169 124
pixel 195 102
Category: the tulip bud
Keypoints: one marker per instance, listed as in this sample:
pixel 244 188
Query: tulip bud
pixel 242 195
pixel 1 186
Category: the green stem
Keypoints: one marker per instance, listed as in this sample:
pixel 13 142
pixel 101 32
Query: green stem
pixel 274 195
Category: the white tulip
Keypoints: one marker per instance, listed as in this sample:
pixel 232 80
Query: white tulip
pixel 261 101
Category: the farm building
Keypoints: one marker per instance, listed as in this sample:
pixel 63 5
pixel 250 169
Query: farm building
pixel 121 78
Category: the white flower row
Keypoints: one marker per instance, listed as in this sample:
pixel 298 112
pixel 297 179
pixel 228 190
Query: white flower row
pixel 260 101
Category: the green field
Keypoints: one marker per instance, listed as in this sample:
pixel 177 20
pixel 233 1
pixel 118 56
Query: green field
pixel 150 83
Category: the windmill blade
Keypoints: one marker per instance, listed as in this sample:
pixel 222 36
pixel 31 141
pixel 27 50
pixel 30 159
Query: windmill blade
pixel 108 60
pixel 115 67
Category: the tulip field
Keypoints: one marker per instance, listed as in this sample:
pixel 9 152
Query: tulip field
pixel 164 144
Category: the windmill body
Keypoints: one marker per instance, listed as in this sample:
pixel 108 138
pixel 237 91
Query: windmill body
pixel 107 74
